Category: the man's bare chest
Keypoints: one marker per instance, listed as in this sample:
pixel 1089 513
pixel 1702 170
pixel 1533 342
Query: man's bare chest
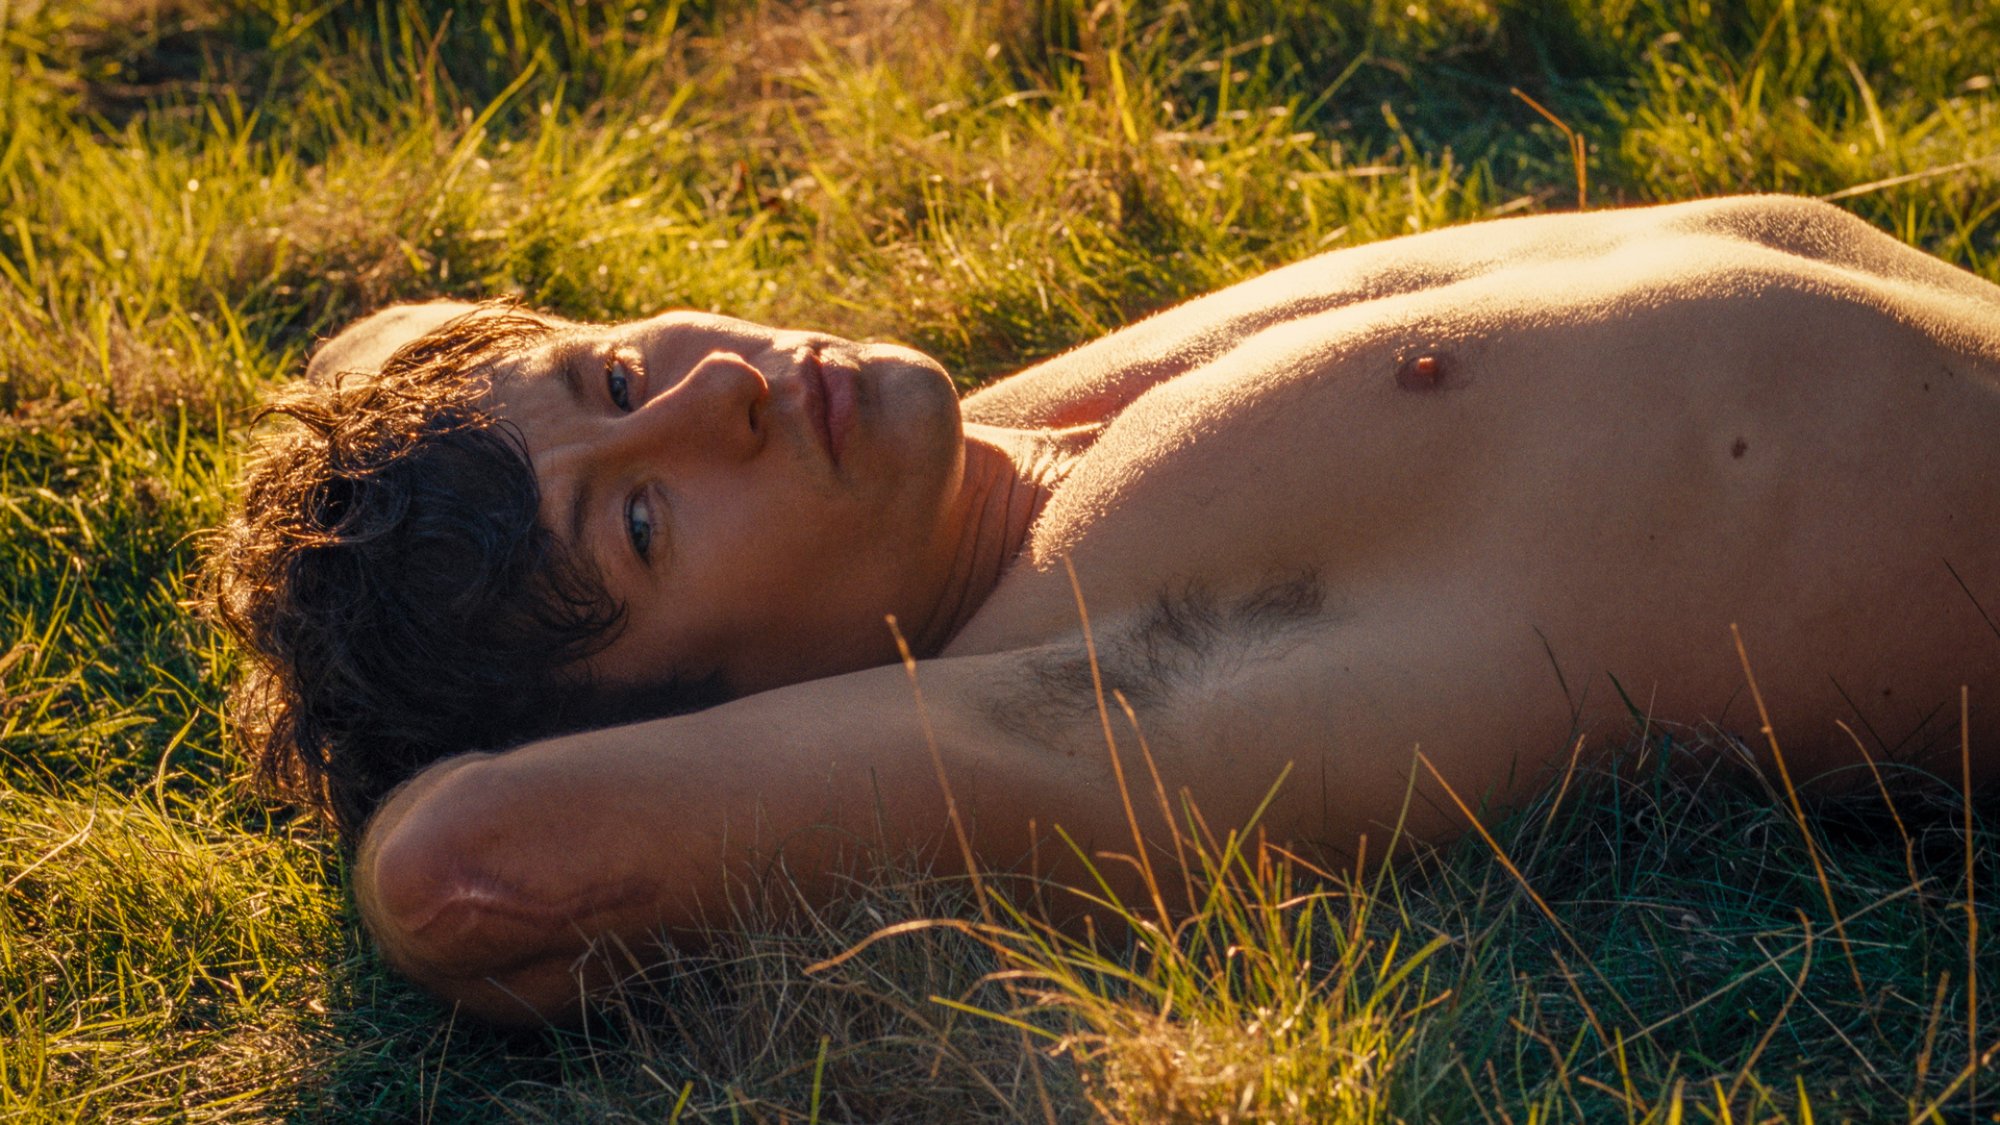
pixel 1295 454
pixel 1521 447
pixel 1488 493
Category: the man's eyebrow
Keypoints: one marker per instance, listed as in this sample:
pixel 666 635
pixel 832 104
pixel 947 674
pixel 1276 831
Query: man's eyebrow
pixel 566 352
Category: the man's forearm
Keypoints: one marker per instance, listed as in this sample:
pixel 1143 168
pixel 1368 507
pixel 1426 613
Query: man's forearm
pixel 499 875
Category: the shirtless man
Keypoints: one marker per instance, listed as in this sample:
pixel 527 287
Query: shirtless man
pixel 1431 493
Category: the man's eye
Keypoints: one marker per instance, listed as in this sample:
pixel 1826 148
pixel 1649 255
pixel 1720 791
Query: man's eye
pixel 618 383
pixel 639 525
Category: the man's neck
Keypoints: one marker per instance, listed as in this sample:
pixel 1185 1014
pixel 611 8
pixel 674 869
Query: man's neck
pixel 1009 477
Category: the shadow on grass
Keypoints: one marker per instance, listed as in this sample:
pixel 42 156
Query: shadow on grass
pixel 734 1031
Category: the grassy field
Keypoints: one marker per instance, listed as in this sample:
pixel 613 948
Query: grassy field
pixel 193 191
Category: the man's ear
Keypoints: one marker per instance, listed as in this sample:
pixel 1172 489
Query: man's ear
pixel 362 347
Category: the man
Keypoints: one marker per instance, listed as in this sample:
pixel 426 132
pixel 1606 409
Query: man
pixel 1476 493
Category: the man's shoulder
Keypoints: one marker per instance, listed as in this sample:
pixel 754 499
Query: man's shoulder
pixel 1792 223
pixel 1808 238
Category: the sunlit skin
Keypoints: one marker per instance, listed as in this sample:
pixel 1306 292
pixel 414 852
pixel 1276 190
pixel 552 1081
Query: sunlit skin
pixel 759 502
pixel 1475 493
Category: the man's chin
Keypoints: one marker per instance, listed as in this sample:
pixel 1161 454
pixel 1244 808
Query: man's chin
pixel 910 403
pixel 908 364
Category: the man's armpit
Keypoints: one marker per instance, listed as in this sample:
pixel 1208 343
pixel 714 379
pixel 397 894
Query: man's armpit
pixel 1159 661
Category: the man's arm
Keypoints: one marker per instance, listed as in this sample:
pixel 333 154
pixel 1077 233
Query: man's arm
pixel 365 345
pixel 494 880
pixel 512 883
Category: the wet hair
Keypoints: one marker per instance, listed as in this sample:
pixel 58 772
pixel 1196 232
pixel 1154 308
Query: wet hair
pixel 395 592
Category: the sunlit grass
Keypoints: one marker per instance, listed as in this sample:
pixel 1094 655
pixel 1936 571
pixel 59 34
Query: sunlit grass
pixel 193 191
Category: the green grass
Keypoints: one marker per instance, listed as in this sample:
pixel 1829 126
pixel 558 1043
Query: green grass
pixel 193 191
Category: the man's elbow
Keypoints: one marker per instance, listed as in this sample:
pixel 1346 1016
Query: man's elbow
pixel 441 914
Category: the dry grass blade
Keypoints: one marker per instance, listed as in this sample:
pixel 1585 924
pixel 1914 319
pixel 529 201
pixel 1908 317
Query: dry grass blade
pixel 1798 814
pixel 1142 855
pixel 1579 149
pixel 1971 913
pixel 965 852
pixel 1912 177
pixel 1541 904
pixel 1748 1066
pixel 1888 802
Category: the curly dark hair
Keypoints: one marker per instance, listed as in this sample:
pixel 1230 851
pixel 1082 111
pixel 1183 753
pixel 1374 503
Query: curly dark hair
pixel 398 598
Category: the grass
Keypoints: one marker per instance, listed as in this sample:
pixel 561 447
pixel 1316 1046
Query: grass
pixel 193 191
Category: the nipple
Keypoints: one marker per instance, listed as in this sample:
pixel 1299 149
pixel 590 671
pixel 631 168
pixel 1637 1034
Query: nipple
pixel 1420 373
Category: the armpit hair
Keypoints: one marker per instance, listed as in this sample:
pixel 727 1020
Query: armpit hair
pixel 1188 635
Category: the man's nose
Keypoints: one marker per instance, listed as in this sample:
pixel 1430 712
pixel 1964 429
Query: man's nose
pixel 716 409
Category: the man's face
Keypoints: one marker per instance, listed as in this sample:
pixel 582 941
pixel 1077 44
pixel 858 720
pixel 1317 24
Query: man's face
pixel 756 500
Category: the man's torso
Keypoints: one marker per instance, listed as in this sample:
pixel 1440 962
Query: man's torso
pixel 1457 502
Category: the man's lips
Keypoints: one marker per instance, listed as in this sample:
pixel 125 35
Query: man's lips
pixel 839 381
pixel 830 397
